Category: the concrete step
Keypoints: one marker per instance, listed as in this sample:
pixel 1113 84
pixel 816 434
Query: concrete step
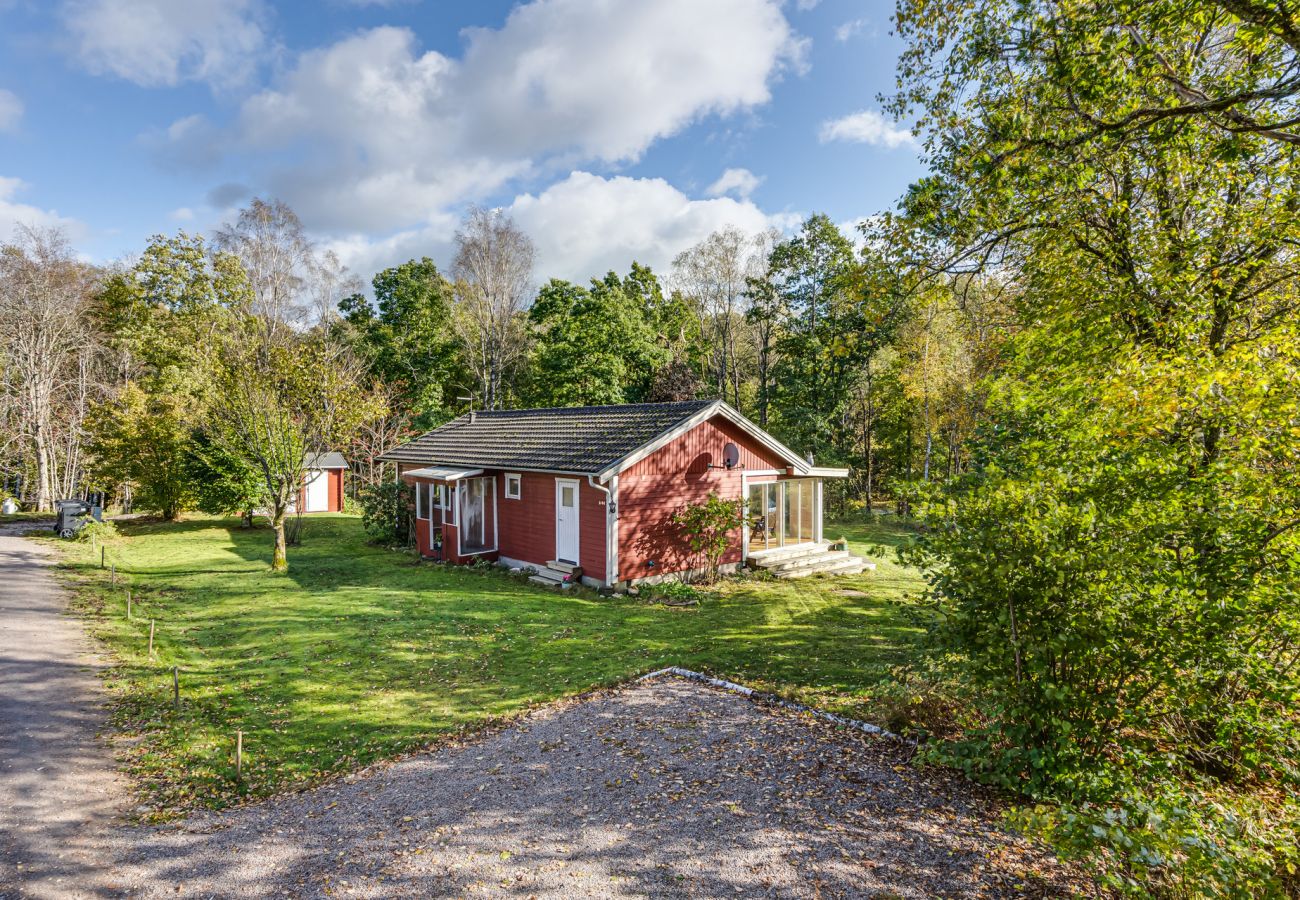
pixel 811 560
pixel 767 558
pixel 850 565
pixel 560 565
pixel 549 577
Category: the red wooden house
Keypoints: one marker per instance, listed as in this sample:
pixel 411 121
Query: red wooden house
pixel 591 491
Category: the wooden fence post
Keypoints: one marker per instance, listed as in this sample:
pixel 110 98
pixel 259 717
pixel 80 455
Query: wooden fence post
pixel 176 689
pixel 151 638
pixel 239 755
pixel 128 606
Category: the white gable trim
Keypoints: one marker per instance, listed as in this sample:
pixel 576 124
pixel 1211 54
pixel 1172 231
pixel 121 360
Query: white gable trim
pixel 716 408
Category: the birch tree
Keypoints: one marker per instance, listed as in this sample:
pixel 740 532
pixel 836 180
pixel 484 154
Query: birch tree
pixel 49 357
pixel 493 270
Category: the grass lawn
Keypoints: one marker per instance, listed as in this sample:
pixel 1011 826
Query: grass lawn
pixel 360 652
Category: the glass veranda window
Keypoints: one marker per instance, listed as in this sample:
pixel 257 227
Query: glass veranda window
pixel 478 515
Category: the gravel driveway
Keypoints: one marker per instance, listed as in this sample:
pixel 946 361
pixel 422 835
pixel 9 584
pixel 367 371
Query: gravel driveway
pixel 667 789
pixel 59 790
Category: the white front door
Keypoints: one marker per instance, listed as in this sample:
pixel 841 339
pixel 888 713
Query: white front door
pixel 318 491
pixel 566 520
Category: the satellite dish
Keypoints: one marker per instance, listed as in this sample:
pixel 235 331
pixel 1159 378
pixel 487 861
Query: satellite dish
pixel 731 456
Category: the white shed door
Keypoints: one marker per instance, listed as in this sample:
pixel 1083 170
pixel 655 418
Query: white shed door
pixel 566 520
pixel 318 491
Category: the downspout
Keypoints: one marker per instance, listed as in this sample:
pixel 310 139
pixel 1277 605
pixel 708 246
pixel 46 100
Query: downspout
pixel 611 526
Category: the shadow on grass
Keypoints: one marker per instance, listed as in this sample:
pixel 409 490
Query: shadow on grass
pixel 356 653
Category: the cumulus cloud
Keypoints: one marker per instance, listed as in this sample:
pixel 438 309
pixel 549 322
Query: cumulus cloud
pixel 738 182
pixel 157 43
pixel 866 127
pixel 587 225
pixel 13 213
pixel 375 133
pixel 11 110
pixel 583 226
pixel 849 30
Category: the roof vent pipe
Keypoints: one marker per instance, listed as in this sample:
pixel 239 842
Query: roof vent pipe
pixel 472 415
pixel 808 456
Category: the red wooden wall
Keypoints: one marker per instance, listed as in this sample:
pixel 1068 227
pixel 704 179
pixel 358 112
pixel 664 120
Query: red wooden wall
pixel 526 527
pixel 666 481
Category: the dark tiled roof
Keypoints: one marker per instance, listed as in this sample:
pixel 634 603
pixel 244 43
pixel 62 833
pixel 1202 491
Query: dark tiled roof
pixel 584 439
pixel 329 460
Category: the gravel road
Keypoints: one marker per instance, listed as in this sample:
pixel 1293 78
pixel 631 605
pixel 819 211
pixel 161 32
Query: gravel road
pixel 59 791
pixel 665 789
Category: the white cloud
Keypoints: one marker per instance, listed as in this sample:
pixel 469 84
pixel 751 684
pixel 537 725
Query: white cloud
pixel 866 127
pixel 13 213
pixel 850 29
pixel 806 5
pixel 606 79
pixel 182 214
pixel 372 133
pixel 586 225
pixel 737 182
pixel 583 226
pixel 164 42
pixel 11 110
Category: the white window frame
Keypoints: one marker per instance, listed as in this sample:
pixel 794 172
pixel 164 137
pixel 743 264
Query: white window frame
pixel 421 510
pixel 519 486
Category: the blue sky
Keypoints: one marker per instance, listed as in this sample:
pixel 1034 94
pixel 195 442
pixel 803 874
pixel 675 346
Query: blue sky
pixel 610 130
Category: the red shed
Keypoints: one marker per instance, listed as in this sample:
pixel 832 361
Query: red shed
pixel 322 483
pixel 591 491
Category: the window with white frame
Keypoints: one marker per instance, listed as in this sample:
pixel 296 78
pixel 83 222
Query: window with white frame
pixel 421 500
pixel 514 486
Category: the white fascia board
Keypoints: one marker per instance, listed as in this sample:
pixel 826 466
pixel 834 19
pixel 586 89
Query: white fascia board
pixel 827 472
pixel 716 408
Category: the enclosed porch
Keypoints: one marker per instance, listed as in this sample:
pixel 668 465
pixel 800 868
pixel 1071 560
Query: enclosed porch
pixel 455 513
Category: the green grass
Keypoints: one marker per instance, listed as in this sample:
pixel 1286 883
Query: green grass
pixel 360 652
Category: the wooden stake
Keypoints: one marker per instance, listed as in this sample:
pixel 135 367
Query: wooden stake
pixel 128 606
pixel 113 575
pixel 101 556
pixel 176 689
pixel 239 755
pixel 151 638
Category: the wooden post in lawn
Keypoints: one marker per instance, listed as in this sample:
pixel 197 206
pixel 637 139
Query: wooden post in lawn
pixel 113 574
pixel 101 556
pixel 128 606
pixel 239 756
pixel 151 638
pixel 176 689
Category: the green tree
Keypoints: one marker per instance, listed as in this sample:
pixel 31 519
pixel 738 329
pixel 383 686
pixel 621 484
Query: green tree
pixel 279 399
pixel 168 317
pixel 223 483
pixel 600 344
pixel 407 340
pixel 1117 571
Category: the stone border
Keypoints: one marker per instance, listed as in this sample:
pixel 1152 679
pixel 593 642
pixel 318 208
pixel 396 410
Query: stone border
pixel 774 700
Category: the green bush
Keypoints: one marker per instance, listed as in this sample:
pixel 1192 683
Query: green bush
pixel 386 511
pixel 675 593
pixel 707 527
pixel 97 532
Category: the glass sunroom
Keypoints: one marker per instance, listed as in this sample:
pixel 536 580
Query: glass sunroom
pixel 784 513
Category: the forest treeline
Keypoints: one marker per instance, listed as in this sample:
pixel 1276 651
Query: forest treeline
pixel 112 372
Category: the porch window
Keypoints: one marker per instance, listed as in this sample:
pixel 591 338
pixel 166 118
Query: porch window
pixel 514 486
pixel 782 513
pixel 423 492
pixel 478 501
